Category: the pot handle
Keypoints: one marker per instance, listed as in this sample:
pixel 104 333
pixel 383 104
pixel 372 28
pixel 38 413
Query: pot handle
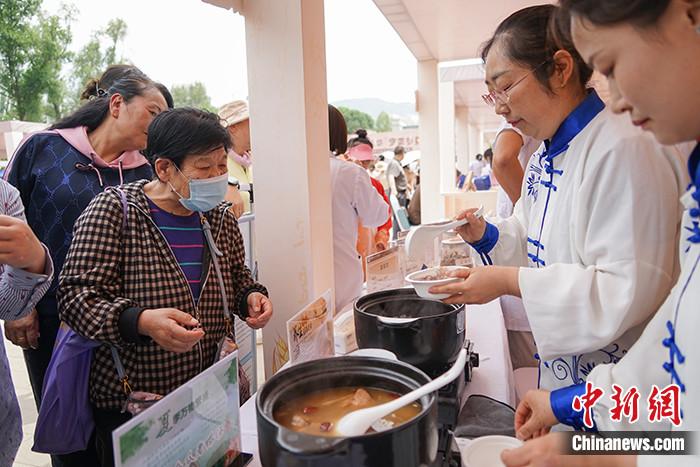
pixel 308 445
pixel 396 321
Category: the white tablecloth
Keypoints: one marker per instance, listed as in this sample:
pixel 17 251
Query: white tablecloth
pixel 493 377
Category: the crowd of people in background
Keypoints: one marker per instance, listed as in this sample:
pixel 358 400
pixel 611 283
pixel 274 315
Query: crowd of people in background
pixel 111 220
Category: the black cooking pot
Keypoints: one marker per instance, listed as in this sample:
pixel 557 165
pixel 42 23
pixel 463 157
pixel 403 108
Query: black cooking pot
pixel 426 333
pixel 413 443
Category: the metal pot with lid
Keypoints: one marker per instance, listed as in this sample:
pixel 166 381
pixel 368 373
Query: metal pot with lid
pixel 426 333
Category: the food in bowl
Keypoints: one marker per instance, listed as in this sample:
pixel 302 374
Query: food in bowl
pixel 423 280
pixel 318 412
pixel 433 275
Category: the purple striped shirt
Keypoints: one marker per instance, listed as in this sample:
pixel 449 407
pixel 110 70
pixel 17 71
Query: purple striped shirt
pixel 186 238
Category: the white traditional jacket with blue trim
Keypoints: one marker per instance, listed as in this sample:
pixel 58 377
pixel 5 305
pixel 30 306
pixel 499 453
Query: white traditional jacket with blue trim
pixel 595 234
pixel 668 350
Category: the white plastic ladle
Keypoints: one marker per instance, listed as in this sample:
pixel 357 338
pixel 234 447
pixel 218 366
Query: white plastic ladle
pixel 418 239
pixel 358 422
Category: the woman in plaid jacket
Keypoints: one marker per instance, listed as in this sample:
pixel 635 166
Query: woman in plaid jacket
pixel 139 274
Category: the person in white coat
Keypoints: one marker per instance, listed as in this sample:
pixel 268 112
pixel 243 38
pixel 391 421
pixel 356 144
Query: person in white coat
pixel 512 150
pixel 589 265
pixel 354 200
pixel 626 40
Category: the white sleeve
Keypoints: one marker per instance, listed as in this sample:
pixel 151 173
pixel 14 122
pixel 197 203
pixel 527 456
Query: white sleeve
pixel 641 367
pixel 368 203
pixel 511 248
pixel 625 220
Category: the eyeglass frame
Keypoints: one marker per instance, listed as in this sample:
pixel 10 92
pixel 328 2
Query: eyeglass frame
pixel 493 97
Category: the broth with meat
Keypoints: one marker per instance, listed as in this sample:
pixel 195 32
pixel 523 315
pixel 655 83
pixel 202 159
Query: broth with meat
pixel 317 413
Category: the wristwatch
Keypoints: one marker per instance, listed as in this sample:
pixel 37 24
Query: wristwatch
pixel 234 182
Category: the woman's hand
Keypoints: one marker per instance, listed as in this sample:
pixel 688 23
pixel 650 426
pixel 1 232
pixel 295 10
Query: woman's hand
pixel 233 196
pixel 534 416
pixel 381 240
pixel 24 332
pixel 259 310
pixel 480 285
pixel 169 328
pixel 19 247
pixel 474 230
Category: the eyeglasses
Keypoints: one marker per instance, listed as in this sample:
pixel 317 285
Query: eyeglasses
pixel 503 97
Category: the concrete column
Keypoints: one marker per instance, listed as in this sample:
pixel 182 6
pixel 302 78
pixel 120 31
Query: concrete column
pixel 427 102
pixel 462 138
pixel 475 145
pixel 446 119
pixel 285 46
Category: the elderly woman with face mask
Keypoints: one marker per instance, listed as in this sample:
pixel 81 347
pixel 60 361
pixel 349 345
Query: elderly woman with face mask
pixel 591 247
pixel 155 265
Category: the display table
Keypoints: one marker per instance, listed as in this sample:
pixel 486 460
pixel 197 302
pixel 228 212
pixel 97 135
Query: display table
pixel 493 377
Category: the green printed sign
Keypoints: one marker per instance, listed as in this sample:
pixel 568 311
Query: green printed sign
pixel 197 424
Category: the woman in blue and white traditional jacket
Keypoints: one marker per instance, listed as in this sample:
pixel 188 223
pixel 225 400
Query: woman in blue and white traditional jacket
pixel 591 246
pixel 626 40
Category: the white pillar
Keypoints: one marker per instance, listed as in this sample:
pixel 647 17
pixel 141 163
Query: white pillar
pixel 285 46
pixel 446 116
pixel 462 138
pixel 427 102
pixel 474 141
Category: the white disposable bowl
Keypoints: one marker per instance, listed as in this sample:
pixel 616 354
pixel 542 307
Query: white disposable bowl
pixel 422 286
pixel 486 451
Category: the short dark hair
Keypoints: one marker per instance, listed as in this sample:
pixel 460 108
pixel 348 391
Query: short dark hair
pixel 184 131
pixel 488 154
pixel 337 131
pixel 361 138
pixel 131 82
pixel 639 13
pixel 399 150
pixel 531 37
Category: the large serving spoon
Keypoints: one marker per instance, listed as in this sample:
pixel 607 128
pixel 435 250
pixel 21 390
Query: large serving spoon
pixel 358 422
pixel 419 239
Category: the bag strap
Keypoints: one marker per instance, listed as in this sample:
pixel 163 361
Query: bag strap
pixel 215 253
pixel 123 378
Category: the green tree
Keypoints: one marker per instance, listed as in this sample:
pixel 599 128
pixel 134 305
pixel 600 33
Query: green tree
pixel 383 122
pixel 192 95
pixel 33 48
pixel 96 55
pixel 356 119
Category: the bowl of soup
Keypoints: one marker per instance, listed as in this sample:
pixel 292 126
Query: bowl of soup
pixel 298 408
pixel 423 280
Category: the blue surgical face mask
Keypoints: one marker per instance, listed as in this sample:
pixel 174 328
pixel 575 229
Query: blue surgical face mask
pixel 205 194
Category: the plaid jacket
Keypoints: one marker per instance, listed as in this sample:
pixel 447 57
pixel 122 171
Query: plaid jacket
pixel 111 273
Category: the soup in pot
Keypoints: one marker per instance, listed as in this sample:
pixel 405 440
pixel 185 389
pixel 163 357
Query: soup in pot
pixel 317 413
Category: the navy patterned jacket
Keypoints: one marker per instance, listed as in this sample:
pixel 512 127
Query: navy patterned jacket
pixel 57 182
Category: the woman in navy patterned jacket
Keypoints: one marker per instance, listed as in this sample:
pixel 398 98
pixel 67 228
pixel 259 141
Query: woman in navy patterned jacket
pixel 60 171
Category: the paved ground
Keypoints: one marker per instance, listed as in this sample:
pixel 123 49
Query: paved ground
pixel 25 456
